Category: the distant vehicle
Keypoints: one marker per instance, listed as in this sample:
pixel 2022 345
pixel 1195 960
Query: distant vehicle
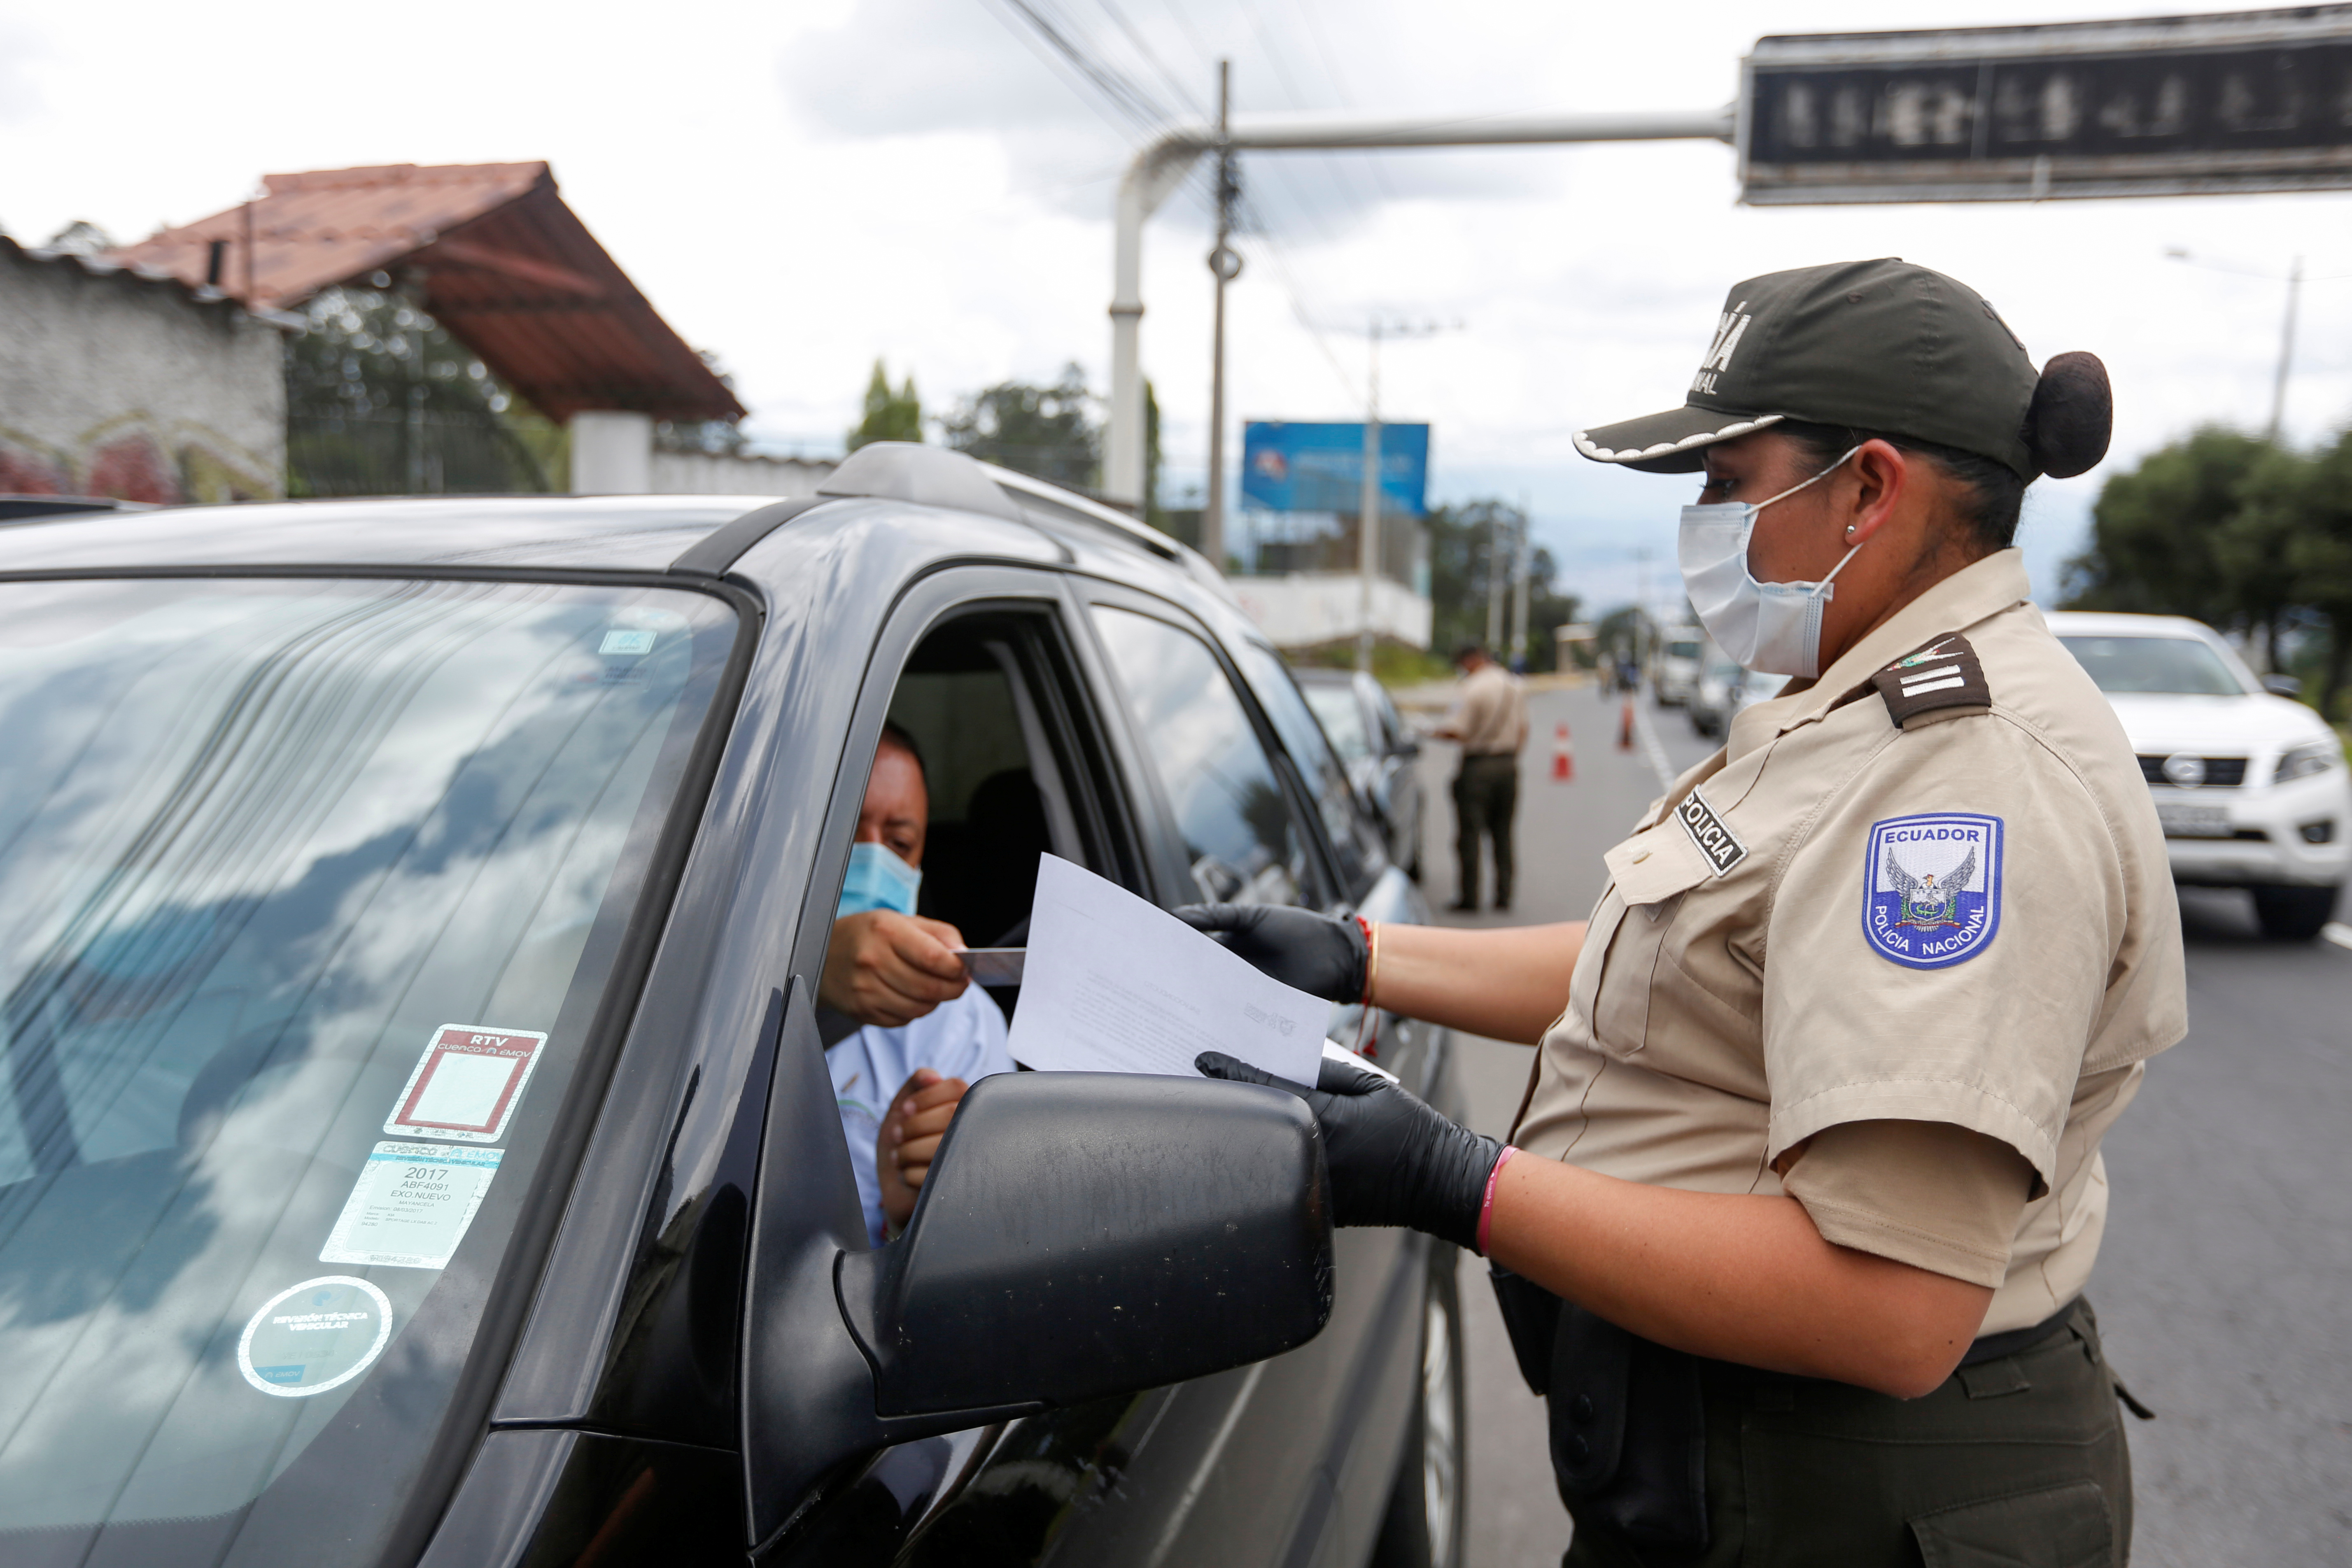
pixel 1724 691
pixel 1379 752
pixel 1681 660
pixel 2251 787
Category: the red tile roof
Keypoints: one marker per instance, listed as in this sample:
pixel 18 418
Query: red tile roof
pixel 496 256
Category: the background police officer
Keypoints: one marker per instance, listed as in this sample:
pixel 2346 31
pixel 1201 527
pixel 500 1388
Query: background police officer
pixel 1811 1184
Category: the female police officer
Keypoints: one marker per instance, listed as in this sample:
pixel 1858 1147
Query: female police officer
pixel 1813 1133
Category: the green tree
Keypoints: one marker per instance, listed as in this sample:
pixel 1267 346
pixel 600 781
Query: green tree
pixel 1461 538
pixel 2319 554
pixel 889 415
pixel 380 400
pixel 1047 432
pixel 2156 533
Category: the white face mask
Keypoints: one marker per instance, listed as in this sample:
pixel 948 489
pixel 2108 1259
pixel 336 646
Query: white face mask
pixel 1773 627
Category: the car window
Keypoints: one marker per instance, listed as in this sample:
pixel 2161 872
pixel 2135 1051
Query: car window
pixel 2175 665
pixel 1683 650
pixel 307 892
pixel 1343 717
pixel 1351 838
pixel 1229 805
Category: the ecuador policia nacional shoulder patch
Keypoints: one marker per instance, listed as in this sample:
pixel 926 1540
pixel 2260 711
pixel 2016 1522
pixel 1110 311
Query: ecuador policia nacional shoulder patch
pixel 1944 674
pixel 1931 888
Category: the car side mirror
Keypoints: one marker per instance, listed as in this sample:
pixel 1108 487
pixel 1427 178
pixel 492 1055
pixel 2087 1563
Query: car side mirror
pixel 1081 1235
pixel 2282 685
pixel 1090 1233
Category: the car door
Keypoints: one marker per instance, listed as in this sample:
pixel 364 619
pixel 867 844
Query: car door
pixel 1289 1460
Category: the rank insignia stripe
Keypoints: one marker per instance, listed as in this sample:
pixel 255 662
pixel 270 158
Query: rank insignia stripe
pixel 1931 888
pixel 1944 674
pixel 1713 838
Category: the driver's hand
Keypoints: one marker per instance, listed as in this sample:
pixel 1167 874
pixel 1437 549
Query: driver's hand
pixel 887 969
pixel 918 1118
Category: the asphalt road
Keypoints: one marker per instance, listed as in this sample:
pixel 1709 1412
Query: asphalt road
pixel 2224 1287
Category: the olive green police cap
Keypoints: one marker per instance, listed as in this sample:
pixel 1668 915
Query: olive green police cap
pixel 1884 346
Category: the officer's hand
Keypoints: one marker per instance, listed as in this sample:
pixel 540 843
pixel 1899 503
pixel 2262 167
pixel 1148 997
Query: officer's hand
pixel 887 969
pixel 1320 956
pixel 1394 1159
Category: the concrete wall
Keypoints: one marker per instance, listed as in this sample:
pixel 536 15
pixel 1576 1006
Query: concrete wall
pixel 707 474
pixel 116 384
pixel 1306 609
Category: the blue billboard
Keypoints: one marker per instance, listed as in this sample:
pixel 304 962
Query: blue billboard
pixel 1295 467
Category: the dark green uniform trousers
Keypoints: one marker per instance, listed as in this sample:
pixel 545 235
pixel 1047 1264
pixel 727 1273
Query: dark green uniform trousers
pixel 1485 798
pixel 2019 1462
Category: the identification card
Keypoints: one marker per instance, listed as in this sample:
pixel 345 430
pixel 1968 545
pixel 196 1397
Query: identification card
pixel 466 1084
pixel 411 1206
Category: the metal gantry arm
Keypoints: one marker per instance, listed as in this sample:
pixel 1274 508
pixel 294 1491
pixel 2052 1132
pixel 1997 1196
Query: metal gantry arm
pixel 1163 166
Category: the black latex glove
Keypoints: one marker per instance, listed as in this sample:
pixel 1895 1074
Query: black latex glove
pixel 1318 955
pixel 1394 1159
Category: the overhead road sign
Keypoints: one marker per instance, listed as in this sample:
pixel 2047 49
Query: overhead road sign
pixel 1288 466
pixel 2240 101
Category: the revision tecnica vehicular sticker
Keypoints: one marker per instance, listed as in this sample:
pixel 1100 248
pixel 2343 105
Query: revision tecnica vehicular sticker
pixel 314 1336
pixel 1931 888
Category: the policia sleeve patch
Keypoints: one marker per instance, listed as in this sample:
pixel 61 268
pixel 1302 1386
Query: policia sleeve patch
pixel 1944 674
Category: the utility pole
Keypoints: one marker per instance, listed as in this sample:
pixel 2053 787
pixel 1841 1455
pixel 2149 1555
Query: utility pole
pixel 1160 168
pixel 2287 349
pixel 1368 507
pixel 1520 590
pixel 1494 580
pixel 1224 265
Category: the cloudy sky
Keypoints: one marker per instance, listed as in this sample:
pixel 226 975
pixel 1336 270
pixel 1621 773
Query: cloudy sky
pixel 805 186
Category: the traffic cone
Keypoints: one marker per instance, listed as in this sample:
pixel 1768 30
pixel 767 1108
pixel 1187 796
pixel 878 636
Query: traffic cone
pixel 1563 756
pixel 1625 726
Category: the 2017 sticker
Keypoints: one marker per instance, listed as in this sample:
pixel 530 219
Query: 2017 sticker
pixel 466 1084
pixel 314 1336
pixel 1931 888
pixel 411 1206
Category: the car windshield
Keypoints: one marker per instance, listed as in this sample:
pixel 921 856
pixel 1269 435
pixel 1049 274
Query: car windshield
pixel 2181 665
pixel 1342 717
pixel 308 893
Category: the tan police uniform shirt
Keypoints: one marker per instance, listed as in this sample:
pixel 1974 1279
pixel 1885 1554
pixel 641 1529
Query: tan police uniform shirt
pixel 1490 715
pixel 1966 918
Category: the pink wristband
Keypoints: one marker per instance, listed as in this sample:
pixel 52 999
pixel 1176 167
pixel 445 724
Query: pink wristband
pixel 1487 1209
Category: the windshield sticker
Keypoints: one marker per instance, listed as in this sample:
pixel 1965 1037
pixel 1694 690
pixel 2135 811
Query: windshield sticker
pixel 466 1084
pixel 315 1336
pixel 626 644
pixel 411 1206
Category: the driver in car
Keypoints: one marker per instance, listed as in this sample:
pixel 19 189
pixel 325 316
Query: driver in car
pixel 926 1033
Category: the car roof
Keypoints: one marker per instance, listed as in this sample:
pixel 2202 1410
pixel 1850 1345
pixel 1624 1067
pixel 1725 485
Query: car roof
pixel 998 513
pixel 2112 623
pixel 613 534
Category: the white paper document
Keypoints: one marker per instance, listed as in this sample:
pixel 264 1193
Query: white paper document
pixel 1116 984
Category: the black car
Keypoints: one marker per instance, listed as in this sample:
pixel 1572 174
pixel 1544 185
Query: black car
pixel 418 1146
pixel 1382 753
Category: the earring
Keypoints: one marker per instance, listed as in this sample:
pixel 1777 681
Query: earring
pixel 1849 527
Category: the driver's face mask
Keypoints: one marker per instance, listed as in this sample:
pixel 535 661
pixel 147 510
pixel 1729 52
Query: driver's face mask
pixel 877 879
pixel 1774 627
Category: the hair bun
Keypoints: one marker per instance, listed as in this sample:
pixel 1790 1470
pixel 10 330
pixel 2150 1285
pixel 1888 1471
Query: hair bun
pixel 2072 415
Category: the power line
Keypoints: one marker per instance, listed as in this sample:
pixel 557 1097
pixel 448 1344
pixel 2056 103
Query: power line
pixel 1143 112
pixel 1151 58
